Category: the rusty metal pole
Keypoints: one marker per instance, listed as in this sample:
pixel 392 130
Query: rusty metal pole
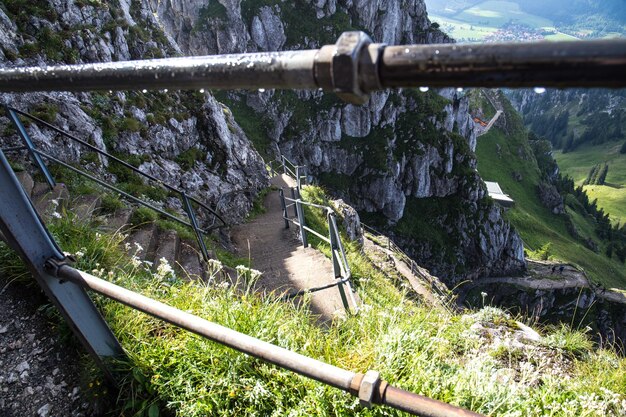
pixel 368 387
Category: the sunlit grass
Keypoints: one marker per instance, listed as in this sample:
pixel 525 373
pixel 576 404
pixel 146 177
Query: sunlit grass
pixel 419 348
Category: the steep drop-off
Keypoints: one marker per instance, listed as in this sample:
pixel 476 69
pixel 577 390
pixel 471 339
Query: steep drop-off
pixel 390 158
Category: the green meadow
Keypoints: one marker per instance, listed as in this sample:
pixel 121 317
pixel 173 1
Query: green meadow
pixel 611 196
pixel 535 223
pixel 476 22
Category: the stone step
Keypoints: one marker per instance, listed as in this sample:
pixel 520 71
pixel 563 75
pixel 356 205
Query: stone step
pixel 118 221
pixel 85 206
pixel 167 246
pixel 145 238
pixel 190 264
pixel 26 180
pixel 48 201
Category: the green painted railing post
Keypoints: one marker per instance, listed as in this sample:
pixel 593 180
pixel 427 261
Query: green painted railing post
pixel 281 192
pixel 300 212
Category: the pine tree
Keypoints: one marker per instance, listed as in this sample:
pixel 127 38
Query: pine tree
pixel 621 253
pixel 602 175
pixel 593 175
pixel 609 250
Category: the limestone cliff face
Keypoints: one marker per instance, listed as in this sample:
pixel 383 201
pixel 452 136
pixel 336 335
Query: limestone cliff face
pixel 400 146
pixel 187 139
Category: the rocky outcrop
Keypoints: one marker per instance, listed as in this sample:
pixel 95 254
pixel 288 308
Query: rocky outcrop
pixel 555 297
pixel 550 198
pixel 377 157
pixel 188 140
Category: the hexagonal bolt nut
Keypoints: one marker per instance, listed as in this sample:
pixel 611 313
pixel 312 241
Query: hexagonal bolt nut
pixel 368 388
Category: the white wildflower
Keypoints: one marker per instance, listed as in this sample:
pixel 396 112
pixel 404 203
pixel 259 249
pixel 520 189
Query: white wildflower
pixel 56 215
pixel 135 261
pixel 138 248
pixel 126 246
pixel 164 269
pixel 55 202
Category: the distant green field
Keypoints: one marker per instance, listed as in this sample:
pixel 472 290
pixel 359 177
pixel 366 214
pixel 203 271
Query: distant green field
pixel 612 196
pixel 477 22
pixel 611 199
pixel 577 163
pixel 535 223
pixel 462 30
pixel 561 37
pixel 497 13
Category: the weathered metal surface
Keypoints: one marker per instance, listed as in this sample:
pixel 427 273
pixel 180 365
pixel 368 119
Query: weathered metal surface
pixel 353 68
pixel 598 63
pixel 30 146
pixel 247 71
pixel 420 405
pixel 367 387
pixel 23 228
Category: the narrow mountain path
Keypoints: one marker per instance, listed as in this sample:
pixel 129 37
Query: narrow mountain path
pixel 541 277
pixel 493 120
pixel 278 253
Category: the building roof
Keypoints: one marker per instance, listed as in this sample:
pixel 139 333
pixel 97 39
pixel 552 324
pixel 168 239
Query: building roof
pixel 495 192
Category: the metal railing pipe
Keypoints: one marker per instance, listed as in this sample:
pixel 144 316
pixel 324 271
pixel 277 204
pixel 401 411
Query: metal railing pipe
pixel 369 390
pixel 30 146
pixel 117 190
pixel 194 225
pixel 353 67
pixel 596 63
pixel 114 158
pixel 319 235
pixel 303 231
pixel 290 69
pixel 283 205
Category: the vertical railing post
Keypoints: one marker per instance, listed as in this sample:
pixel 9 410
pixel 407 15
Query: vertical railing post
pixel 294 197
pixel 282 160
pixel 194 224
pixel 303 173
pixel 31 147
pixel 334 245
pixel 337 250
pixel 283 204
pixel 298 179
pixel 300 212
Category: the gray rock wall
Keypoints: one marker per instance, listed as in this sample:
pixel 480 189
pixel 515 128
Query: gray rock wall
pixel 168 124
pixel 400 145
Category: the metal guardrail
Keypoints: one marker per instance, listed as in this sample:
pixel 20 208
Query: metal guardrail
pixel 435 286
pixel 353 68
pixel 65 286
pixel 187 201
pixel 341 267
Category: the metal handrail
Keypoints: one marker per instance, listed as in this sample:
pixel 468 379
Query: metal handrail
pixel 186 199
pixel 341 267
pixel 353 67
pixel 368 387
